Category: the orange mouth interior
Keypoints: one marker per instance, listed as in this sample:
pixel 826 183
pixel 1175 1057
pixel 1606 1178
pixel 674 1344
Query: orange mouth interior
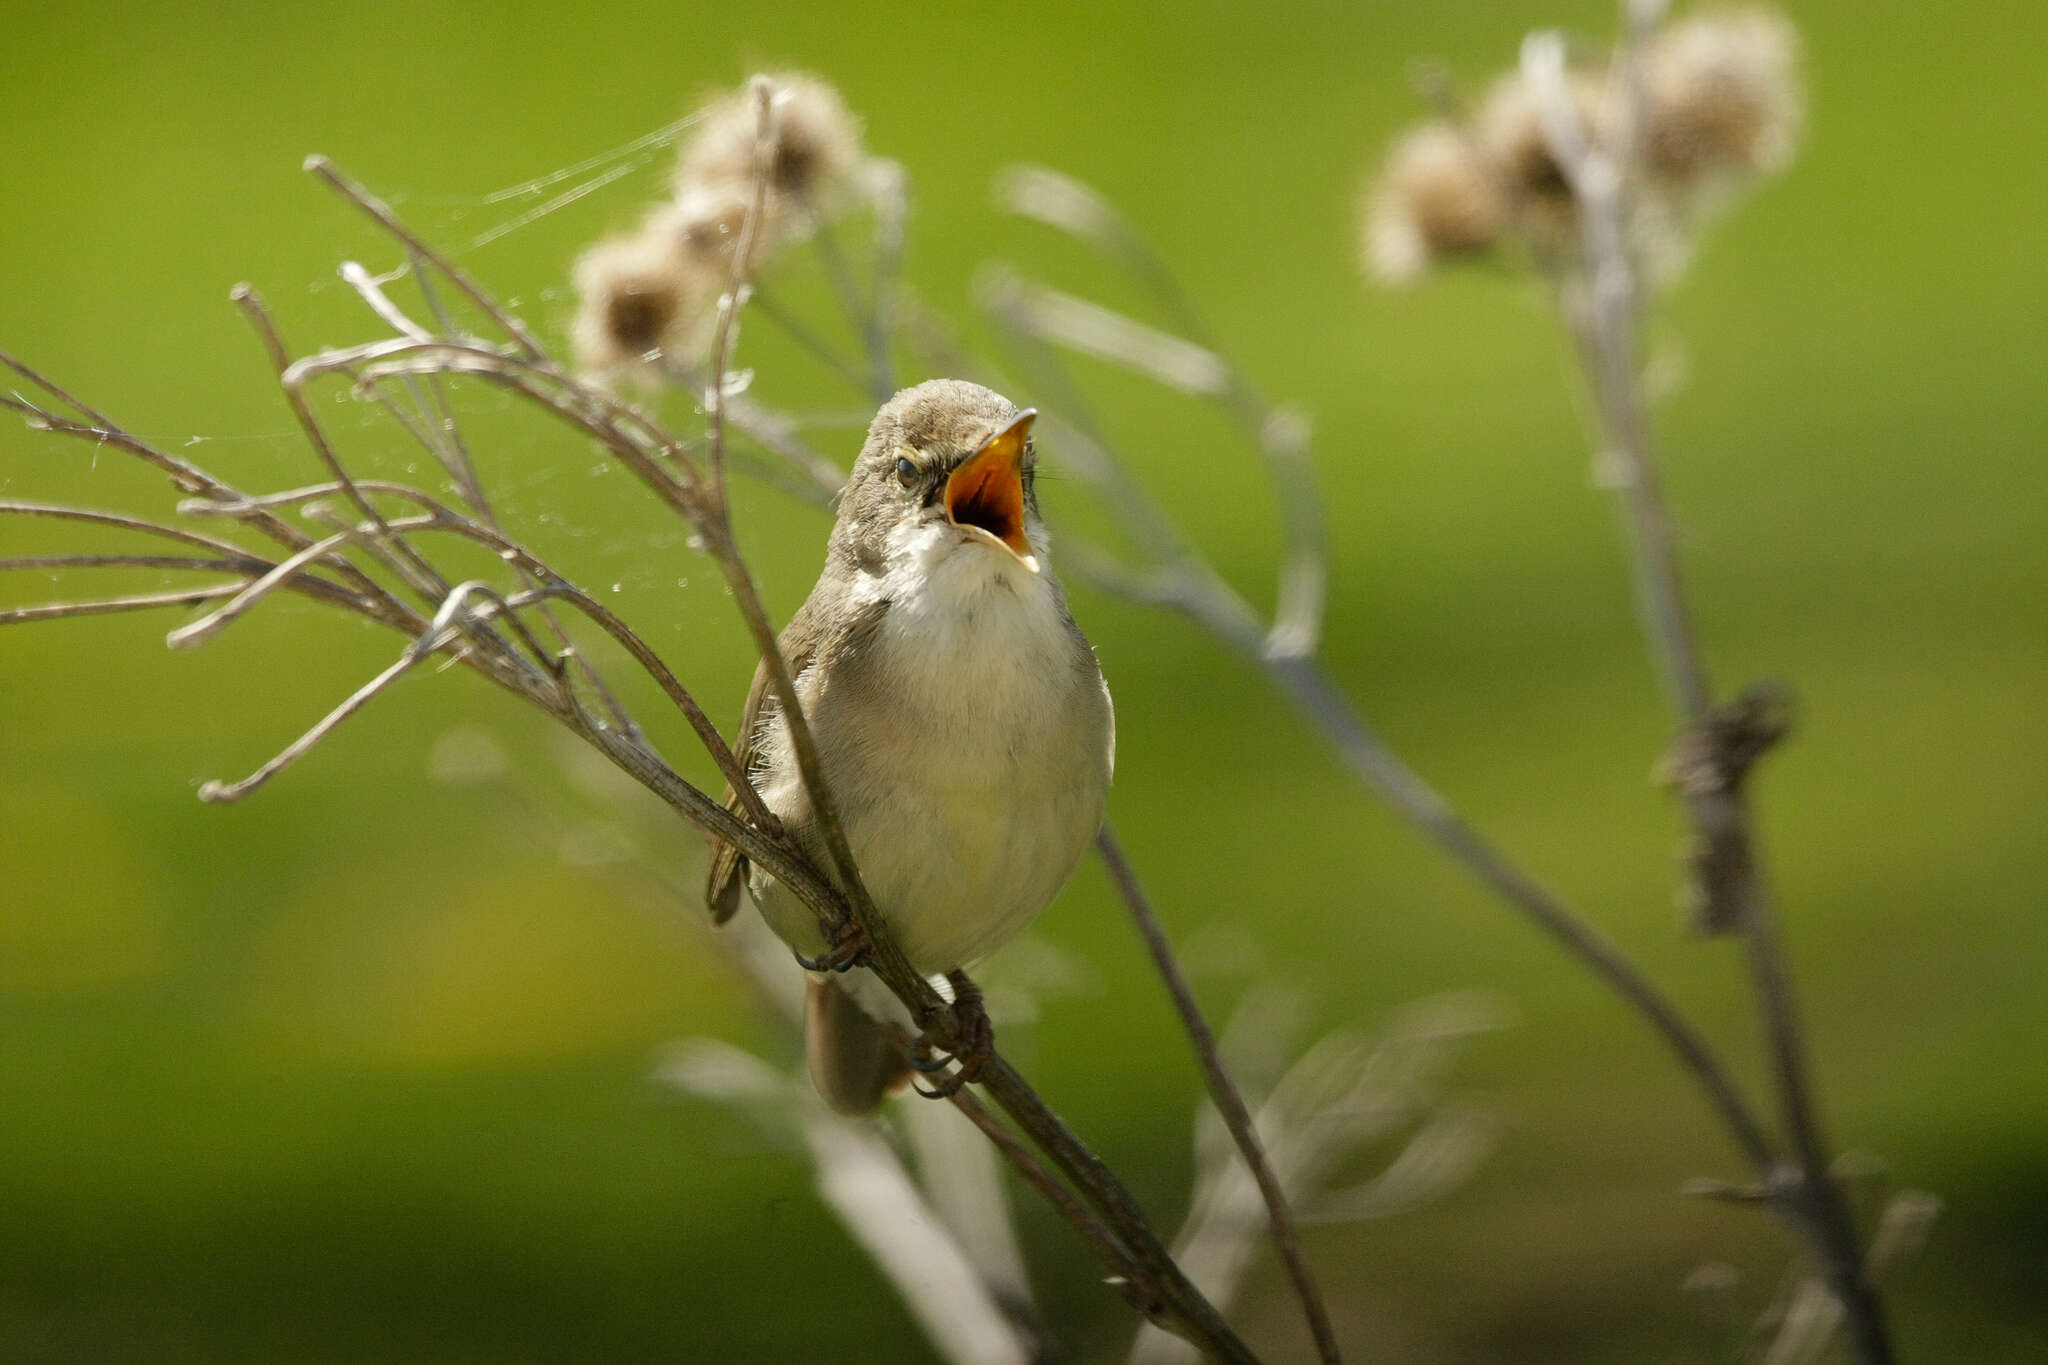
pixel 986 493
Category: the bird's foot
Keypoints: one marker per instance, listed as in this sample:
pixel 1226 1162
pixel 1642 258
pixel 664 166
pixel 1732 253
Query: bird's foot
pixel 848 949
pixel 961 1033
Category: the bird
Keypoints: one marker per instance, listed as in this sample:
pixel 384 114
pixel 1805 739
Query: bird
pixel 961 720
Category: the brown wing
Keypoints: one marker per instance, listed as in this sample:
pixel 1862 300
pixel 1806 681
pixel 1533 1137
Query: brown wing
pixel 728 874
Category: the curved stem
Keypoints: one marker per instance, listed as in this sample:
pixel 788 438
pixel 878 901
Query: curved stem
pixel 1606 329
pixel 1373 762
pixel 1229 1103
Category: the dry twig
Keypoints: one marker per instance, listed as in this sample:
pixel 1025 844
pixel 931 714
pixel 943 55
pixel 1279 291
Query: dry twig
pixel 1602 309
pixel 485 630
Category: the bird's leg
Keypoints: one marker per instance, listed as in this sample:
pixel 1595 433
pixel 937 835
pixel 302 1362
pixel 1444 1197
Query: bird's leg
pixel 846 948
pixel 965 1035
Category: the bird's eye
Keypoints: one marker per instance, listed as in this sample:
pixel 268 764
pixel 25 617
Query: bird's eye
pixel 906 473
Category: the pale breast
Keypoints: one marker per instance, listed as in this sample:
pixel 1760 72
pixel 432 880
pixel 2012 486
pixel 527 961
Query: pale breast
pixel 969 744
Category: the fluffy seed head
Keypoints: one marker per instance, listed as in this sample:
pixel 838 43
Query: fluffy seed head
pixel 816 143
pixel 709 222
pixel 635 297
pixel 1721 105
pixel 1434 200
pixel 1509 130
pixel 1723 96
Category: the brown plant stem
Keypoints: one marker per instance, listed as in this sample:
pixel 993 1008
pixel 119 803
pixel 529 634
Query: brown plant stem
pixel 1176 1304
pixel 1165 1294
pixel 1106 1243
pixel 1223 1091
pixel 439 433
pixel 184 475
pixel 1371 760
pixel 1605 324
pixel 1172 1299
pixel 663 465
pixel 353 191
pixel 1179 578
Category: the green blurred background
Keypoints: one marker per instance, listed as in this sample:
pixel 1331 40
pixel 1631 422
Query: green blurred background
pixel 359 1071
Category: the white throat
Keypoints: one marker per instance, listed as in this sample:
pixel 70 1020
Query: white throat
pixel 937 566
pixel 976 786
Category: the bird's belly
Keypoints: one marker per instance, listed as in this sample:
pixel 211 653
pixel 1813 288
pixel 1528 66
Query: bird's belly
pixel 957 861
pixel 969 752
pixel 958 867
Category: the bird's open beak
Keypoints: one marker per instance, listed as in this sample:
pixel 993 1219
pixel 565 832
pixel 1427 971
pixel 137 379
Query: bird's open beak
pixel 986 493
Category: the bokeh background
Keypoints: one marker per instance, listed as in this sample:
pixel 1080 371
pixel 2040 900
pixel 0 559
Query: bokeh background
pixel 360 1070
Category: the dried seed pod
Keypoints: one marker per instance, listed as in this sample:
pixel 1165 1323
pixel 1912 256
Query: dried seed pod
pixel 636 295
pixel 816 146
pixel 1433 200
pixel 1723 97
pixel 1509 131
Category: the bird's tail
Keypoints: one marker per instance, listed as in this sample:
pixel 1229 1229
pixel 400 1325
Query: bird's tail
pixel 854 1062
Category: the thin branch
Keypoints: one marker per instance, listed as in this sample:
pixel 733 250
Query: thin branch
pixel 1370 759
pixel 737 281
pixel 1599 178
pixel 1303 591
pixel 663 463
pixel 455 274
pixel 1223 1091
pixel 371 290
pixel 1182 579
pixel 32 563
pixel 1068 205
pixel 187 476
pixel 200 631
pixel 1181 1306
pixel 307 584
pixel 97 517
pixel 607 424
pixel 1107 1245
pixel 441 632
pixel 881 381
pixel 1595 176
pixel 890 195
pixel 712 514
pixel 453 454
pixel 390 550
pixel 543 575
pixel 53 611
pixel 93 417
pixel 417 572
pixel 225 792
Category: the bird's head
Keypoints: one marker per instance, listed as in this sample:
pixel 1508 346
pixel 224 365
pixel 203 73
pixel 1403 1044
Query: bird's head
pixel 947 472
